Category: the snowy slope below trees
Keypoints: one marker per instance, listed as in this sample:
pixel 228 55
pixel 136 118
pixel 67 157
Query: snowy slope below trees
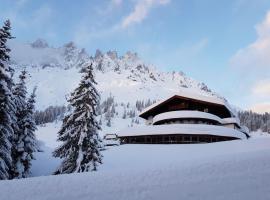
pixel 225 170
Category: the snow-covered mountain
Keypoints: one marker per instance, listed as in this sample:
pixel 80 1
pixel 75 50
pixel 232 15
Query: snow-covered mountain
pixel 127 78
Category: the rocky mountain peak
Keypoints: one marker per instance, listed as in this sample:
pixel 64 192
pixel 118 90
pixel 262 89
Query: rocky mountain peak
pixel 98 54
pixel 40 43
pixel 115 74
pixel 112 54
pixel 70 46
pixel 131 56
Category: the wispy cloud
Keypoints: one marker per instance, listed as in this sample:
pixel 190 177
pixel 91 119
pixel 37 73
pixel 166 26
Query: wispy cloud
pixel 261 107
pixel 262 88
pixel 140 11
pixel 252 63
pixel 261 92
pixel 109 7
pixel 39 20
pixel 85 33
pixel 256 55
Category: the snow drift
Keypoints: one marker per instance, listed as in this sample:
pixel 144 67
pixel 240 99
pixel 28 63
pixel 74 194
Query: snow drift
pixel 220 171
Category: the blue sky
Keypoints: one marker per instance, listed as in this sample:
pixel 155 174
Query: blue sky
pixel 222 43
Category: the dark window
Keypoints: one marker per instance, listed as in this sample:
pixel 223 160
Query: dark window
pixel 194 138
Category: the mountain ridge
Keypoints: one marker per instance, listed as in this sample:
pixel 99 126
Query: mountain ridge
pixel 133 70
pixel 124 81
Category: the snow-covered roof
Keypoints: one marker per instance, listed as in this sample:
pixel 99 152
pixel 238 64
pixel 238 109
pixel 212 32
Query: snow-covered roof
pixel 191 95
pixel 231 120
pixel 245 129
pixel 186 114
pixel 197 129
pixel 110 136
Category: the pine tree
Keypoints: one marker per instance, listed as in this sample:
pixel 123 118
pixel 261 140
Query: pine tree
pixel 24 141
pixel 79 131
pixel 7 108
pixel 19 95
pixel 100 121
pixel 112 110
pixel 255 121
pixel 5 35
pixel 108 116
pixel 124 114
pixel 30 141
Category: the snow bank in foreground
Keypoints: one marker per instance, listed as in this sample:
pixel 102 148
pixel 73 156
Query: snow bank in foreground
pixel 225 170
pixel 148 156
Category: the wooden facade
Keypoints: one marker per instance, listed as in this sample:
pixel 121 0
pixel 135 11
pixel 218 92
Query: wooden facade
pixel 176 103
pixel 173 139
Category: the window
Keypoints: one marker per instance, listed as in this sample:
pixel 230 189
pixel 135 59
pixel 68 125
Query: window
pixel 194 138
pixel 178 106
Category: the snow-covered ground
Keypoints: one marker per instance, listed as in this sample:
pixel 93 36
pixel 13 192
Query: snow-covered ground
pixel 225 170
pixel 45 164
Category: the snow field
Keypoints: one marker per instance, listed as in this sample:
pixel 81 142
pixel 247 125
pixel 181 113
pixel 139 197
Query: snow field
pixel 227 170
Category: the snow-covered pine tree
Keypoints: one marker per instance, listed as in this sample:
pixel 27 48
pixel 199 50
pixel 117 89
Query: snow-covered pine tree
pixel 124 113
pixel 30 141
pixel 50 114
pixel 19 95
pixel 108 116
pixel 24 141
pixel 7 108
pixel 79 131
pixel 100 121
pixel 5 35
pixel 113 110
